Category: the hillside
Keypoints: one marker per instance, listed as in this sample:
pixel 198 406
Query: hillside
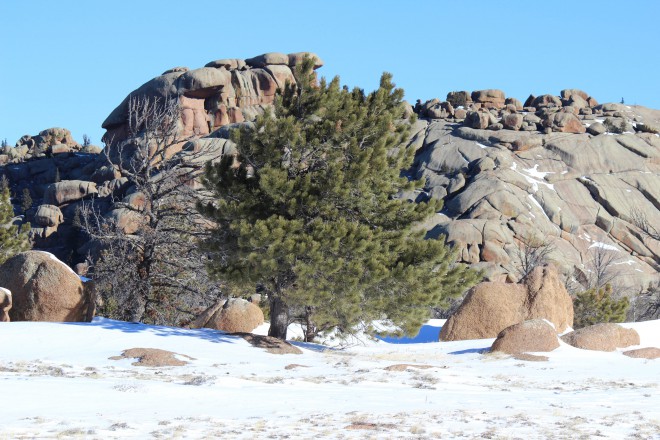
pixel 580 178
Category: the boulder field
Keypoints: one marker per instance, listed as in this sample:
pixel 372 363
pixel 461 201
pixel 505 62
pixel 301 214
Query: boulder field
pixel 563 169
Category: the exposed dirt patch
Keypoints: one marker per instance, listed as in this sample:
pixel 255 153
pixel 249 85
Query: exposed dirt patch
pixel 152 357
pixel 294 366
pixel 404 367
pixel 530 357
pixel 644 353
pixel 371 426
pixel 270 344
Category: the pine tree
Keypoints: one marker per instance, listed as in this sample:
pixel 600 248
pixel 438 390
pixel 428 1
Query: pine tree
pixel 26 202
pixel 11 240
pixel 594 306
pixel 307 212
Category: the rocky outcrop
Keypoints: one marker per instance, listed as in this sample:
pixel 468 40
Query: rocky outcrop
pixel 563 168
pixel 530 336
pixel 224 91
pixel 5 304
pixel 490 307
pixel 43 288
pixel 602 337
pixel 551 170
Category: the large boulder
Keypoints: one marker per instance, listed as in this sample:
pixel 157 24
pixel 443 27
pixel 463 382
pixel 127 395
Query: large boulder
pixel 5 304
pixel 529 336
pixel 48 215
pixel 564 123
pixel 232 316
pixel 68 191
pixel 602 337
pixel 43 288
pixel 490 307
pixel 490 98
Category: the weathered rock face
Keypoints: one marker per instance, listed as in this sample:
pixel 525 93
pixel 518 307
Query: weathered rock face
pixel 43 288
pixel 529 336
pixel 224 91
pixel 490 307
pixel 558 175
pixel 602 337
pixel 48 215
pixel 5 304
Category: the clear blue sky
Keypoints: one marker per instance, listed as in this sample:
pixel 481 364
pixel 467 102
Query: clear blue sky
pixel 69 63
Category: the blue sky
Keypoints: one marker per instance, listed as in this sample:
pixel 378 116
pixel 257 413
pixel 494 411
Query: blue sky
pixel 69 63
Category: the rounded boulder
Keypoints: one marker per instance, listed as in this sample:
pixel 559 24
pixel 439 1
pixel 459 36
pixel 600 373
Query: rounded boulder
pixel 43 288
pixel 529 336
pixel 5 304
pixel 236 316
pixel 602 337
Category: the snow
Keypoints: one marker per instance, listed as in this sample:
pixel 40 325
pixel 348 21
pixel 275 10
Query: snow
pixel 605 246
pixel 480 145
pixel 5 291
pixel 534 172
pixel 536 202
pixel 60 383
pixel 628 262
pixel 533 176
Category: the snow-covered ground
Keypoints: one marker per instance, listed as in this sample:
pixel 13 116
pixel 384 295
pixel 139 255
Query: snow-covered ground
pixel 57 381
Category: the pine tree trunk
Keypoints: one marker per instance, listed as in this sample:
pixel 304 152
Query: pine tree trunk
pixel 310 328
pixel 279 318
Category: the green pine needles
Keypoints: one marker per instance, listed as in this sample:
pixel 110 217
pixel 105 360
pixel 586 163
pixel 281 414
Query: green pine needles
pixel 306 212
pixel 594 306
pixel 11 240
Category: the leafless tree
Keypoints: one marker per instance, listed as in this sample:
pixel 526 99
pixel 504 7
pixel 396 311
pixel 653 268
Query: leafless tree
pixel 640 219
pixel 531 252
pixel 603 267
pixel 148 266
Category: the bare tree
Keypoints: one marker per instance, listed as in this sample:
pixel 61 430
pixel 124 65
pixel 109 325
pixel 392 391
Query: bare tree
pixel 603 267
pixel 531 252
pixel 148 266
pixel 640 219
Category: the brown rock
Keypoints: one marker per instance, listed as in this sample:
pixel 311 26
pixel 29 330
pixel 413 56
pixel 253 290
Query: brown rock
pixel 565 123
pixel 567 93
pixel 479 120
pixel 491 307
pixel 529 336
pixel 489 98
pixel 296 58
pixel 513 121
pixel 459 99
pixel 236 316
pixel 270 344
pixel 268 58
pixel 152 357
pixel 644 353
pixel 545 101
pixel 48 215
pixel 460 113
pixel 602 337
pixel 515 102
pixel 43 288
pixel 68 191
pixel 5 304
pixel 596 128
